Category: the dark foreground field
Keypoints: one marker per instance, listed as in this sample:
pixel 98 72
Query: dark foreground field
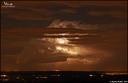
pixel 63 77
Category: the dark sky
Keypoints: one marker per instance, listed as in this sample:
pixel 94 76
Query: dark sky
pixel 64 35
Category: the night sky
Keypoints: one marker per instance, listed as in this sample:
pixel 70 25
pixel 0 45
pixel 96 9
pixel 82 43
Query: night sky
pixel 64 35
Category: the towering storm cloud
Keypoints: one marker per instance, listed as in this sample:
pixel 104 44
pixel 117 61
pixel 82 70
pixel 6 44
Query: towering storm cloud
pixel 64 35
pixel 64 46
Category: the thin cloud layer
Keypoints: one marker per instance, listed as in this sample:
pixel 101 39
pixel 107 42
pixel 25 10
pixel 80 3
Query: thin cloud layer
pixel 45 10
pixel 117 14
pixel 72 24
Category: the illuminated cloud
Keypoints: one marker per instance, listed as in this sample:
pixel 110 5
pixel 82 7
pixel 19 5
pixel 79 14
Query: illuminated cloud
pixel 58 49
pixel 72 24
pixel 55 51
pixel 62 47
pixel 85 37
pixel 51 50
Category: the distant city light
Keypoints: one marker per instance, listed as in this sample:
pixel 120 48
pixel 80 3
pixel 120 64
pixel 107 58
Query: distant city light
pixel 43 77
pixel 102 75
pixel 55 70
pixel 55 75
pixel 46 76
pixel 3 75
pixel 90 75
